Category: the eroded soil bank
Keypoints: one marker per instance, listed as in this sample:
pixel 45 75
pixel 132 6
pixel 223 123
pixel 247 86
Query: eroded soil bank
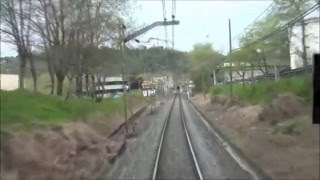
pixel 279 137
pixel 74 150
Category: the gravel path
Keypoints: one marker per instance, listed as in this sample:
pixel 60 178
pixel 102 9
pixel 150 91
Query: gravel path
pixel 138 159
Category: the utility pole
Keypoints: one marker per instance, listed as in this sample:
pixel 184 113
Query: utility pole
pixel 130 98
pixel 124 95
pixel 123 76
pixel 230 64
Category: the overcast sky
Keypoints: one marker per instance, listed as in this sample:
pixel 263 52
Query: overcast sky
pixel 200 21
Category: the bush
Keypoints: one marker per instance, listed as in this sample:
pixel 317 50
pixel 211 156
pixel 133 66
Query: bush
pixel 265 91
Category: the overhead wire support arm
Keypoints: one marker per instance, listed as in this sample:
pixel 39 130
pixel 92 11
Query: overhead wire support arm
pixel 147 28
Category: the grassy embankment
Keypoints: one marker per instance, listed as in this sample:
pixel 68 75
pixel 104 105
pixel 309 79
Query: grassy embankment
pixel 23 108
pixel 44 83
pixel 265 91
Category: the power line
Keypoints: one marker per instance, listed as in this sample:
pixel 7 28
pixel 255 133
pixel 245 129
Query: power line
pixel 173 7
pixel 250 25
pixel 292 22
pixel 164 9
pixel 165 19
pixel 173 17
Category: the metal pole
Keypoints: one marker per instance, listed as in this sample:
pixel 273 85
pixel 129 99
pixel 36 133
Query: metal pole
pixel 123 78
pixel 214 77
pixel 130 98
pixel 230 64
pixel 124 94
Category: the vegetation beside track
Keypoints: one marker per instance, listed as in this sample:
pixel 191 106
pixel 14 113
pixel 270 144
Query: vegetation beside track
pixel 266 91
pixel 25 108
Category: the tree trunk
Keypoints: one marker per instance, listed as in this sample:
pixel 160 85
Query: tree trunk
pixel 304 51
pixel 93 87
pixel 60 79
pixel 51 74
pixel 252 77
pixel 50 70
pixel 265 64
pixel 79 84
pixel 87 81
pixel 69 89
pixel 52 82
pixel 23 62
pixel 243 80
pixel 33 71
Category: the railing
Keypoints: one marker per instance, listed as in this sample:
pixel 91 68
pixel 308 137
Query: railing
pixel 282 74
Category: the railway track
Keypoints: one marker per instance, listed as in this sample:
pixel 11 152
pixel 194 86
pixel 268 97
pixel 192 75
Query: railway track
pixel 175 155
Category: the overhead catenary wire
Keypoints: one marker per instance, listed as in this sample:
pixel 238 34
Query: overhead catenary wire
pixel 284 27
pixel 255 20
pixel 164 9
pixel 173 18
pixel 165 19
pixel 173 7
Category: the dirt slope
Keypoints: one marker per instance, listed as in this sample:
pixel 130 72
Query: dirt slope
pixel 285 144
pixel 64 152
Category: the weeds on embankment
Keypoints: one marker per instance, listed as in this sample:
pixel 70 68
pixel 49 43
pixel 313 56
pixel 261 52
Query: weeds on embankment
pixel 265 91
pixel 25 107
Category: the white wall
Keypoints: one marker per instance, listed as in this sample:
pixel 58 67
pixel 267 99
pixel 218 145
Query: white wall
pixel 9 82
pixel 312 42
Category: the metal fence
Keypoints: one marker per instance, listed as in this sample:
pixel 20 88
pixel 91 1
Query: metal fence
pixel 281 74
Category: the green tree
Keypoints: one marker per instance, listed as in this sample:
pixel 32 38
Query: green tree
pixel 240 59
pixel 203 61
pixel 286 10
pixel 266 35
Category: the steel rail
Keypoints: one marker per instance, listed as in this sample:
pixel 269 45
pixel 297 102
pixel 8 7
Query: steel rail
pixel 194 158
pixel 196 163
pixel 161 140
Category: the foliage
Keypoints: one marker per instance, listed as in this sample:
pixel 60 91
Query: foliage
pixel 286 10
pixel 265 91
pixel 65 30
pixel 156 60
pixel 264 34
pixel 203 60
pixel 25 107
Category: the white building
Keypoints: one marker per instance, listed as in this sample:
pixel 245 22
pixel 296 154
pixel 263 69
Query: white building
pixel 9 82
pixel 167 81
pixel 311 40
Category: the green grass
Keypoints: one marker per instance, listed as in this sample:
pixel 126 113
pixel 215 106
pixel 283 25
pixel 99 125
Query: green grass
pixel 265 91
pixel 44 83
pixel 25 107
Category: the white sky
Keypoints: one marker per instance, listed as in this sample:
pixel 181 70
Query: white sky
pixel 200 21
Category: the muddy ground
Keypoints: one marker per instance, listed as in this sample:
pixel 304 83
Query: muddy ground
pixel 279 137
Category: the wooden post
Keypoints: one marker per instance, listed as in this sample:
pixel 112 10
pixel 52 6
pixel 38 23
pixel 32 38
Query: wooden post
pixel 230 63
pixel 275 73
